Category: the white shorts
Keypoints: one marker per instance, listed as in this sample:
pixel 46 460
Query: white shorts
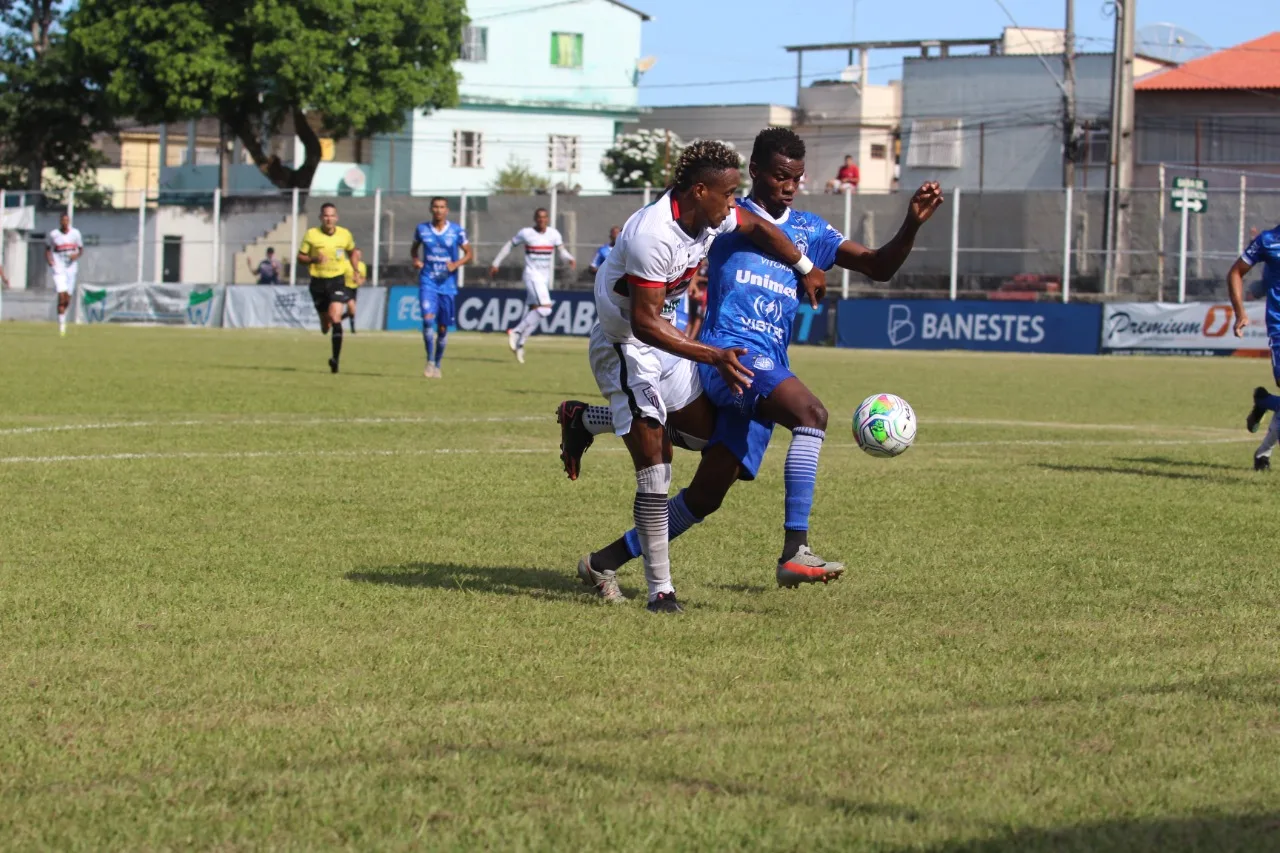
pixel 64 280
pixel 536 292
pixel 640 380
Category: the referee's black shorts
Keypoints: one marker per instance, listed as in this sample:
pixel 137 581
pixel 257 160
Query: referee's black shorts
pixel 326 291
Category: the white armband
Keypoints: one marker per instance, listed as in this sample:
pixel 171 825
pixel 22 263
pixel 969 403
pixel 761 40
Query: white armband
pixel 803 266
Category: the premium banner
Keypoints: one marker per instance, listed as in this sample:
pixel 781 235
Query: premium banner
pixel 1194 328
pixel 573 312
pixel 168 304
pixel 942 324
pixel 282 306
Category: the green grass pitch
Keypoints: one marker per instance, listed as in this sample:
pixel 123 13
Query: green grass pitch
pixel 246 604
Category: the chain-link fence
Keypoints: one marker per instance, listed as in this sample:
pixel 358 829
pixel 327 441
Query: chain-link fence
pixel 996 245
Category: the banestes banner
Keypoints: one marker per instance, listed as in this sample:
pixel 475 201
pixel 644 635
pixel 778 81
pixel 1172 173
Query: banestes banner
pixel 572 313
pixel 1196 328
pixel 940 324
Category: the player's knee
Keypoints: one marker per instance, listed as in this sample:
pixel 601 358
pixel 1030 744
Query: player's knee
pixel 814 415
pixel 702 502
pixel 544 310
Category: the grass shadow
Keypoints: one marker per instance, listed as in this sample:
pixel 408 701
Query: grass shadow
pixel 748 588
pixel 494 580
pixel 1138 472
pixel 1177 463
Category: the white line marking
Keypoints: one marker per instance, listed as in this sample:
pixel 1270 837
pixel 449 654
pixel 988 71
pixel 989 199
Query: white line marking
pixel 268 422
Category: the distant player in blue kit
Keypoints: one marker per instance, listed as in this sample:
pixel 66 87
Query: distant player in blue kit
pixel 602 254
pixel 752 301
pixel 1265 250
pixel 444 250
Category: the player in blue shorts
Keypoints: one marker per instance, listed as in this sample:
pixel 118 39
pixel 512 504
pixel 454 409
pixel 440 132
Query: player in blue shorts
pixel 444 250
pixel 1264 249
pixel 751 304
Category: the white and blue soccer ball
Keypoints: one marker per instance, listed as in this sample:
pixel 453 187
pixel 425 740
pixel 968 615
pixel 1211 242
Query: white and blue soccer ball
pixel 884 425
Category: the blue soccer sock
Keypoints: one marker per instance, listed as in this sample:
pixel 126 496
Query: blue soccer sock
pixel 800 475
pixel 429 340
pixel 680 519
pixel 441 338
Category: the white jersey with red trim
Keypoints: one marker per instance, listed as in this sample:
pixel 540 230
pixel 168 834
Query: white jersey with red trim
pixel 652 251
pixel 63 246
pixel 539 252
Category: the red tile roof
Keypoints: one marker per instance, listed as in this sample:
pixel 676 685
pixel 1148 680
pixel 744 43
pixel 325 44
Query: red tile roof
pixel 1252 65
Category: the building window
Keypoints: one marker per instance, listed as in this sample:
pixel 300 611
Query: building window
pixel 562 153
pixel 1237 140
pixel 879 152
pixel 1098 150
pixel 935 143
pixel 475 44
pixel 566 50
pixel 468 149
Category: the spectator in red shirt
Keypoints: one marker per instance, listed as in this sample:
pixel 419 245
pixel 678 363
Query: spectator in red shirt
pixel 846 177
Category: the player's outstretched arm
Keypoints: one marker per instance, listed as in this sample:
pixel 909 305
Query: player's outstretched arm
pixel 648 325
pixel 883 263
pixel 502 256
pixel 1235 290
pixel 769 238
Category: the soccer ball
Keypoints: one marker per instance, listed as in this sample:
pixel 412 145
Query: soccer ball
pixel 884 425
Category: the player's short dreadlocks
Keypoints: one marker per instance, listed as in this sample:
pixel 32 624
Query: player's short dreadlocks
pixel 776 140
pixel 701 158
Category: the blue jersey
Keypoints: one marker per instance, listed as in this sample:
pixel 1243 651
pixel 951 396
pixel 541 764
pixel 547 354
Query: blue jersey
pixel 1265 250
pixel 602 255
pixel 438 249
pixel 752 298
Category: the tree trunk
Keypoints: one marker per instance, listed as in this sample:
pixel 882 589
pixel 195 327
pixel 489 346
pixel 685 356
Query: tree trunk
pixel 35 173
pixel 270 165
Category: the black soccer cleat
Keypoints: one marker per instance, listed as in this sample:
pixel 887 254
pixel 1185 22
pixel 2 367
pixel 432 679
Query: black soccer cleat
pixel 574 438
pixel 1258 411
pixel 333 365
pixel 664 603
pixel 1262 463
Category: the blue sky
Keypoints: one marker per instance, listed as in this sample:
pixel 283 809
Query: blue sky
pixel 743 39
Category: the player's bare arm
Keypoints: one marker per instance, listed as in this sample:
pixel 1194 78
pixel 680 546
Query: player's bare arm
pixel 466 258
pixel 883 263
pixel 356 257
pixel 649 326
pixel 1235 290
pixel 413 253
pixel 767 237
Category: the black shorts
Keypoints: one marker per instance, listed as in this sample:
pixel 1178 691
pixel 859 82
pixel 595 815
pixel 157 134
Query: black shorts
pixel 326 291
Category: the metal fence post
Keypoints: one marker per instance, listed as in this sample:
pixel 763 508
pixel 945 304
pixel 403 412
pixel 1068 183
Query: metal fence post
pixel 293 240
pixel 848 227
pixel 71 204
pixel 217 236
pixel 377 232
pixel 462 220
pixel 142 233
pixel 551 276
pixel 3 240
pixel 955 244
pixel 1244 182
pixel 1066 249
pixel 1160 241
pixel 1182 248
pixel 648 193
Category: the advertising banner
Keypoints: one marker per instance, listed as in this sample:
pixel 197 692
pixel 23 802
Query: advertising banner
pixel 282 306
pixel 1196 328
pixel 573 312
pixel 991 326
pixel 813 325
pixel 168 304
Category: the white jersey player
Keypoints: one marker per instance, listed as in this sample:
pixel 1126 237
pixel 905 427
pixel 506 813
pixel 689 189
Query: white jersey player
pixel 643 364
pixel 541 244
pixel 62 252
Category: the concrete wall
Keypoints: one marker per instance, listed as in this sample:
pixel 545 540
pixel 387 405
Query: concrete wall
pixel 1020 105
pixel 736 123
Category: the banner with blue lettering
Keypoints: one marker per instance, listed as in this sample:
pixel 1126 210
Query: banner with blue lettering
pixel 573 311
pixel 939 324
pixel 811 325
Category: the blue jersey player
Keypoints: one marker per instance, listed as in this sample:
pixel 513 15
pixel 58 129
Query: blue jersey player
pixel 1265 250
pixel 444 251
pixel 751 303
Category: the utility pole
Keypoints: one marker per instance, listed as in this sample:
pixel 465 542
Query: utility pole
pixel 1120 157
pixel 1069 98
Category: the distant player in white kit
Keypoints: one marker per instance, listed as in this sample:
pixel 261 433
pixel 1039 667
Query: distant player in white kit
pixel 62 251
pixel 541 244
pixel 642 363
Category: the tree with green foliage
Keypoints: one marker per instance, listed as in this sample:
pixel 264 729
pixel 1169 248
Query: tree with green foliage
pixel 264 66
pixel 49 109
pixel 517 178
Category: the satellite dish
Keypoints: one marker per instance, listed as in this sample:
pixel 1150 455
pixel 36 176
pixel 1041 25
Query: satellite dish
pixel 1170 43
pixel 354 178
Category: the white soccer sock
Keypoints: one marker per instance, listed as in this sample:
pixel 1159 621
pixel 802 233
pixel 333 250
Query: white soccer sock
pixel 1269 440
pixel 527 326
pixel 598 419
pixel 652 526
pixel 62 322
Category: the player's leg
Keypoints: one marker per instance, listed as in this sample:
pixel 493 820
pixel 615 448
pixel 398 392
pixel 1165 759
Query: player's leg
pixel 64 298
pixel 1262 403
pixel 444 319
pixel 320 299
pixel 538 298
pixel 337 302
pixel 795 407
pixel 428 301
pixel 351 311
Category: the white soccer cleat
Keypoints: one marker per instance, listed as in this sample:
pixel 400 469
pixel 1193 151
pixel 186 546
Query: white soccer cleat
pixel 513 340
pixel 520 354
